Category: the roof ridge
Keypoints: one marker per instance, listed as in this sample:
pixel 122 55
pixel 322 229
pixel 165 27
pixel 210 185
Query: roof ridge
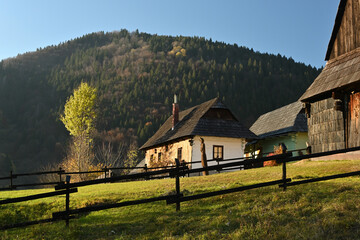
pixel 281 108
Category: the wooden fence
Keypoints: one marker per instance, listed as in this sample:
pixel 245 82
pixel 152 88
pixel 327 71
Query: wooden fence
pixel 105 172
pixel 66 188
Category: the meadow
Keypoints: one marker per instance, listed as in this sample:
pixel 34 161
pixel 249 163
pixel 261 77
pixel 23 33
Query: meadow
pixel 323 210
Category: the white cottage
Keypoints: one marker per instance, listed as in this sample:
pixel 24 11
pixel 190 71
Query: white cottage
pixel 179 137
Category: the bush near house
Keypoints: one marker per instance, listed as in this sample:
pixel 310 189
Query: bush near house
pixel 277 150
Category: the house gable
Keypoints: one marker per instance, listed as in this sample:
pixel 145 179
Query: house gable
pixel 342 70
pixel 346 32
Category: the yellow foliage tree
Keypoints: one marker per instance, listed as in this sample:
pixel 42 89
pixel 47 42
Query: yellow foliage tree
pixel 79 114
pixel 79 119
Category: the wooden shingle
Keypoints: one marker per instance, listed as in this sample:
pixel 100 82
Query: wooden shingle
pixel 338 73
pixel 193 121
pixel 290 118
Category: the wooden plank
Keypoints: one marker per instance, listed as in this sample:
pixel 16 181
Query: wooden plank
pixel 37 196
pixel 357 23
pixel 37 173
pixel 226 191
pixel 3 178
pixel 35 184
pixel 124 168
pixel 61 214
pixel 85 172
pixel 351 23
pixel 343 175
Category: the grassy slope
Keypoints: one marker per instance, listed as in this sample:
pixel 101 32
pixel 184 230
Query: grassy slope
pixel 326 210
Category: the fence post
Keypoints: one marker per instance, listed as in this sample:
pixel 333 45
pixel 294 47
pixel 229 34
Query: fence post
pixel 146 170
pixel 60 169
pixel 177 184
pixel 284 173
pixel 11 180
pixel 183 163
pixel 105 172
pixel 67 200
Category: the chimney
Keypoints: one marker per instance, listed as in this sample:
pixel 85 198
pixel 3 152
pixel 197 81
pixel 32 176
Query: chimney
pixel 175 112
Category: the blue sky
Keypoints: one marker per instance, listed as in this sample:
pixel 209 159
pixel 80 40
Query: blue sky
pixel 299 29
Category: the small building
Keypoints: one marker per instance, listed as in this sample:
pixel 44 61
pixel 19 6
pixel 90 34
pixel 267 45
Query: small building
pixel 332 101
pixel 180 136
pixel 286 125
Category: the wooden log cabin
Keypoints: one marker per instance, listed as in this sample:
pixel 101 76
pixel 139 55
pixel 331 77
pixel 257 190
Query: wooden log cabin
pixel 332 102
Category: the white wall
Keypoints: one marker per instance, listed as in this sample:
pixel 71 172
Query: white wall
pixel 233 148
pixel 169 153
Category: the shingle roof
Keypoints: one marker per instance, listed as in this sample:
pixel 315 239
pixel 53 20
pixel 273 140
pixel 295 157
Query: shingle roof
pixel 338 73
pixel 192 122
pixel 289 118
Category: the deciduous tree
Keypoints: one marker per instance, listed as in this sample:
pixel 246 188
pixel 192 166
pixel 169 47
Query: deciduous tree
pixel 79 114
pixel 79 119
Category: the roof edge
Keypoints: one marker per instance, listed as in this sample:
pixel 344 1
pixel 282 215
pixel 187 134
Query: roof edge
pixel 278 133
pixel 166 143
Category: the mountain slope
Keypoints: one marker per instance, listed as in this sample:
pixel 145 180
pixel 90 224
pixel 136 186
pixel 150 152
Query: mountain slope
pixel 136 75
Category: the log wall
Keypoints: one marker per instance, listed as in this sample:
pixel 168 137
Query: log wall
pixel 326 127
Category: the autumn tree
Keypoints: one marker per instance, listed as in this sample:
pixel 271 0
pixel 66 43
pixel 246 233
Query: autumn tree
pixel 79 114
pixel 79 119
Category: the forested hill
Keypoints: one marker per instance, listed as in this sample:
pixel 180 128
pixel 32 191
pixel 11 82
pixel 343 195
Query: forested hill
pixel 136 75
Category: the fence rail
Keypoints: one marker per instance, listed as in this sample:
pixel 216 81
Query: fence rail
pixel 61 172
pixel 63 214
pixel 226 191
pixel 37 196
pixel 319 179
pixel 176 171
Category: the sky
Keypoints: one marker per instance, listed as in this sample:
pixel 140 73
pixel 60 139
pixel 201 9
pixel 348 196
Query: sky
pixel 299 29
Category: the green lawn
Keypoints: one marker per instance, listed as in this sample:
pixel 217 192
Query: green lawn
pixel 325 210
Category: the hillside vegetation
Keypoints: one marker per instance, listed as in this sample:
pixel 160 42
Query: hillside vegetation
pixel 136 75
pixel 324 210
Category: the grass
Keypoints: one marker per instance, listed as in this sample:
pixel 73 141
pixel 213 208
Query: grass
pixel 324 210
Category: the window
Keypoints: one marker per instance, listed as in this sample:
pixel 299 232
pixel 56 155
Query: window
pixel 218 152
pixel 151 157
pixel 179 154
pixel 159 156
